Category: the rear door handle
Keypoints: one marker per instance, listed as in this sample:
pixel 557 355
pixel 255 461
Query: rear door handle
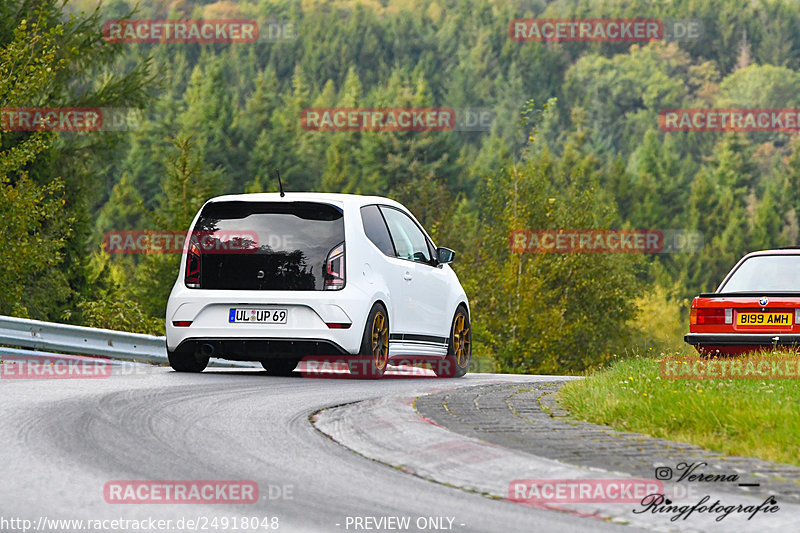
pixel 407 276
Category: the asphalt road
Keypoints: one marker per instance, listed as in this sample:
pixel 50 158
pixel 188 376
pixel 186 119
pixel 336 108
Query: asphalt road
pixel 63 440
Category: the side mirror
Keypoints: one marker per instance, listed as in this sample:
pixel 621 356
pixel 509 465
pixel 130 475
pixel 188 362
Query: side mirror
pixel 445 256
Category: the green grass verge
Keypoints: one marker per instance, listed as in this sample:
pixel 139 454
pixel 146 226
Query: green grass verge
pixel 736 417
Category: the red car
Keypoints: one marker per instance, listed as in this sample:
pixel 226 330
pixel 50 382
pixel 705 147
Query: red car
pixel 756 307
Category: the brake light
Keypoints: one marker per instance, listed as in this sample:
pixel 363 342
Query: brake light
pixel 193 268
pixel 334 269
pixel 338 325
pixel 181 323
pixel 710 315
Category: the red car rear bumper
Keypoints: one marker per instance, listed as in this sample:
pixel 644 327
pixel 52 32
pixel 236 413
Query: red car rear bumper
pixel 736 343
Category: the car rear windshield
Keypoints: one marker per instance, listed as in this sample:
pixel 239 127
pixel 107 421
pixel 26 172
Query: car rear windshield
pixel 289 243
pixel 765 273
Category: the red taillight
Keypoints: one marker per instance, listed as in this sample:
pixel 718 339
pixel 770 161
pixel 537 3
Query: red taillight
pixel 712 315
pixel 181 323
pixel 334 269
pixel 338 325
pixel 193 267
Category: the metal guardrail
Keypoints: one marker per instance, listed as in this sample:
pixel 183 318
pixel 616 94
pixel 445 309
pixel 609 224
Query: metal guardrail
pixel 65 338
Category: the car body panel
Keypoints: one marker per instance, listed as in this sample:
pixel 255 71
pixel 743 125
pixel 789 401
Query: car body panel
pixel 735 337
pixel 420 310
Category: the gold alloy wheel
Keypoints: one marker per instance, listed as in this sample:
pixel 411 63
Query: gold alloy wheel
pixel 461 340
pixel 380 341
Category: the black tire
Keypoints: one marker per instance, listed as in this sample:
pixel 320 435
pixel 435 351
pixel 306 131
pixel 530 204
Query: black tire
pixel 373 357
pixel 459 347
pixel 187 361
pixel 280 367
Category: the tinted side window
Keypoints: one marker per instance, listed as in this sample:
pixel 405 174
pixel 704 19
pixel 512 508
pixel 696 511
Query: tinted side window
pixel 375 228
pixel 409 241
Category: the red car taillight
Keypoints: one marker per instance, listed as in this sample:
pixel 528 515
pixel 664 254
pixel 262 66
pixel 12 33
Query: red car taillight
pixel 193 268
pixel 334 269
pixel 707 316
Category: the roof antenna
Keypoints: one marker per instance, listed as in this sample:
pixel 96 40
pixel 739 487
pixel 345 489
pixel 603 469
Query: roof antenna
pixel 280 183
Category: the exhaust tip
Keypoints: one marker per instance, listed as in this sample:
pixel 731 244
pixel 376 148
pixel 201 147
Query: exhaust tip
pixel 207 350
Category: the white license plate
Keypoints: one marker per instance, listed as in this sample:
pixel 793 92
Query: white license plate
pixel 244 315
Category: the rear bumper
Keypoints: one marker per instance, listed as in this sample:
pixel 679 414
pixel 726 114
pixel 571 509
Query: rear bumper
pixel 309 313
pixel 259 349
pixel 742 339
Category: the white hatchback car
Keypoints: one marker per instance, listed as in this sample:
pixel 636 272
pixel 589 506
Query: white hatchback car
pixel 274 279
